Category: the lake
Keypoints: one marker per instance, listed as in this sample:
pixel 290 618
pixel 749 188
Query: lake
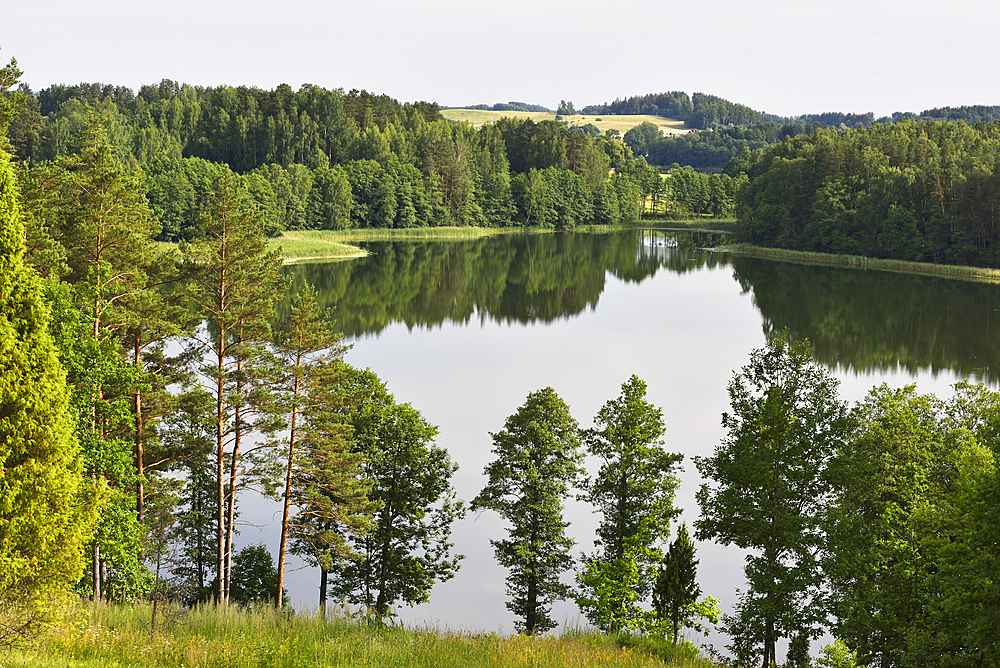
pixel 464 330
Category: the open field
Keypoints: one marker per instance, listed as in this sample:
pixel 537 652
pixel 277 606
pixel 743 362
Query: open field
pixel 605 122
pixel 111 636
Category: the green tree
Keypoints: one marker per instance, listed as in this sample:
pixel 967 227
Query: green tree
pixel 767 491
pixel 255 579
pixel 321 473
pixel 408 548
pixel 98 213
pixel 634 492
pixel 45 515
pixel 10 103
pixel 537 460
pixel 876 564
pixel 233 283
pixel 676 591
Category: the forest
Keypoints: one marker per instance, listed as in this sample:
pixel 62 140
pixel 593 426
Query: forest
pixel 925 192
pixel 326 159
pixel 722 130
pixel 145 387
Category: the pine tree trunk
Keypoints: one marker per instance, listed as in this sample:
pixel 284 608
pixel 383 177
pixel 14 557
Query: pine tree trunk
pixel 233 467
pixel 97 572
pixel 220 474
pixel 140 505
pixel 288 492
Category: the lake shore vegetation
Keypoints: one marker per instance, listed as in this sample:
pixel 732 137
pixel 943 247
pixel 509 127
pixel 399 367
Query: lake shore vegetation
pixel 144 393
pixel 103 636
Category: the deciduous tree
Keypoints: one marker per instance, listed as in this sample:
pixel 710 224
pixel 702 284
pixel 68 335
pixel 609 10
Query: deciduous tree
pixel 634 493
pixel 766 490
pixel 408 548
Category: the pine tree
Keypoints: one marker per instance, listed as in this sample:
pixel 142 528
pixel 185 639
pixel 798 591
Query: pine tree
pixel 234 283
pixel 322 475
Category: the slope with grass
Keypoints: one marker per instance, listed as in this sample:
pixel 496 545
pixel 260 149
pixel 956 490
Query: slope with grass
pixel 605 122
pixel 107 636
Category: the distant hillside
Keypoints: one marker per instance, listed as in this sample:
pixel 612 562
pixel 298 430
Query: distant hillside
pixel 509 106
pixel 700 111
pixel 593 124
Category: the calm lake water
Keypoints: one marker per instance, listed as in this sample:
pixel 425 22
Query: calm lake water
pixel 465 330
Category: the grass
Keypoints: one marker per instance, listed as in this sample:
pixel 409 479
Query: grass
pixel 727 225
pixel 305 245
pixel 978 274
pixel 109 636
pixel 603 122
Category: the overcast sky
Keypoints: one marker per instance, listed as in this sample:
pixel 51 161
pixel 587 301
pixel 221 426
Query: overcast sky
pixel 780 56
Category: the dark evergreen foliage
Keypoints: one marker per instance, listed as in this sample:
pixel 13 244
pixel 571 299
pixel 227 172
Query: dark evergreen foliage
pixel 924 192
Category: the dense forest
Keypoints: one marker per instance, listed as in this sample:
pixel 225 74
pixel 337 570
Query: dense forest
pixel 926 192
pixel 722 130
pixel 326 159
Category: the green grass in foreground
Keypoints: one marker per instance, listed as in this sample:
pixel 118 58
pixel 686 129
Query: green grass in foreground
pixel 109 636
pixel 961 272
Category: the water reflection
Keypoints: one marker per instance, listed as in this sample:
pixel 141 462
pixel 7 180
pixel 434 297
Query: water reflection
pixel 875 321
pixel 859 320
pixel 510 278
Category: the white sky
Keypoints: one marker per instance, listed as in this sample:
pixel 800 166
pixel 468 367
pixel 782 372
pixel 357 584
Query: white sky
pixel 780 56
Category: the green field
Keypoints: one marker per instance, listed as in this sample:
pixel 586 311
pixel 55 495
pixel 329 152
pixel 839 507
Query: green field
pixel 605 122
pixel 112 636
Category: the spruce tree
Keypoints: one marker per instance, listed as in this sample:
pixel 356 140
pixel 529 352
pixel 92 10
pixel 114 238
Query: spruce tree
pixel 44 520
pixel 676 588
pixel 538 458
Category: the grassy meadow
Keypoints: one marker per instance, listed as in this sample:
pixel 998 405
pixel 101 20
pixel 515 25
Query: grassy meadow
pixel 111 636
pixel 603 122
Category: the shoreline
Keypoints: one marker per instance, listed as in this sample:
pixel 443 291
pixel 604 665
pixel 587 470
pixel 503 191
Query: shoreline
pixel 953 271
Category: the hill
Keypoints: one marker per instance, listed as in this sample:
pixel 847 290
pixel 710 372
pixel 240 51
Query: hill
pixel 622 124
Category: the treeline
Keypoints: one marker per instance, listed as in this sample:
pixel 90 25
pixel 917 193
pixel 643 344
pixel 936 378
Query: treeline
pixel 699 111
pixel 726 129
pixel 924 192
pixel 322 159
pixel 511 106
